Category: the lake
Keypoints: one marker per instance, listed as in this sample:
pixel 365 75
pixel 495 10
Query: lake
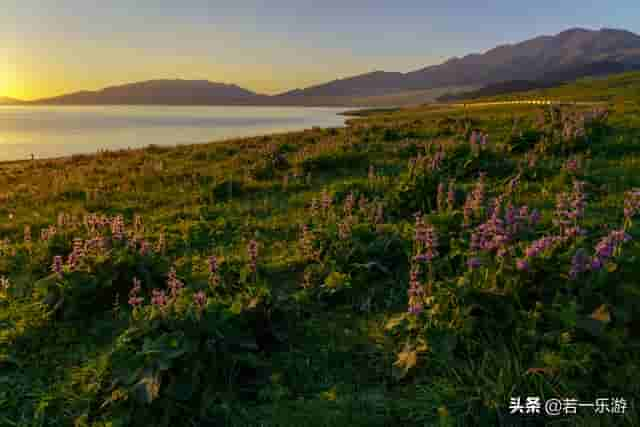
pixel 55 131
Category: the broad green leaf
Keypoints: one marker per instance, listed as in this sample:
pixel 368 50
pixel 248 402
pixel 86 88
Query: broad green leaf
pixel 395 321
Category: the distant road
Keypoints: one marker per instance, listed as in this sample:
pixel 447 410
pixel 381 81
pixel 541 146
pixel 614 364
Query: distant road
pixel 524 102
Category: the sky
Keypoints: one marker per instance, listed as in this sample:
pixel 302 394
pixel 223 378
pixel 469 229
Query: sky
pixel 51 47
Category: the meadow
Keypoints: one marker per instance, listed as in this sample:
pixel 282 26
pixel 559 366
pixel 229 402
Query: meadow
pixel 418 267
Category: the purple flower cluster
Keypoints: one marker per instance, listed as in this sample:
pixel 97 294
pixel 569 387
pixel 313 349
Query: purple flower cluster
pixel 522 265
pixel 451 195
pixel 252 250
pixel 569 209
pixel 326 202
pixel 441 197
pixel 94 222
pixel 214 279
pixel 541 245
pixel 117 228
pixel 478 140
pixel 606 247
pixel 572 165
pixel 199 299
pixel 475 201
pixel 77 253
pixel 159 298
pixel 306 242
pixel 349 204
pixel 535 249
pixel 56 267
pixel 631 203
pixel 436 161
pixel 174 284
pixel 344 228
pixel 427 241
pixel 580 263
pixel 474 263
pixel 135 299
pixel 491 236
pixel 415 292
pixel 145 248
pixel 513 184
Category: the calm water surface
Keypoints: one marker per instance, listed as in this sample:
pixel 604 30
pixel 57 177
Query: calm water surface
pixel 52 131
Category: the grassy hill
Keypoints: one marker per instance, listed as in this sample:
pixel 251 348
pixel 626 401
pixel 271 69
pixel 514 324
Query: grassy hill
pixel 287 281
pixel 618 88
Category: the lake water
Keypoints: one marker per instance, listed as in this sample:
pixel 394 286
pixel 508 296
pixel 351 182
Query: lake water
pixel 54 131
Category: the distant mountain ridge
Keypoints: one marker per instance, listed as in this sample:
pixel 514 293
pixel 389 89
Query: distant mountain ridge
pixel 569 53
pixel 162 92
pixel 8 101
pixel 551 79
pixel 565 56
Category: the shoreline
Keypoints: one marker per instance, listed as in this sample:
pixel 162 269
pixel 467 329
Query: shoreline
pixel 230 140
pixel 341 116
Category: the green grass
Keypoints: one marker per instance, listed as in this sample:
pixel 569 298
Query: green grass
pixel 285 354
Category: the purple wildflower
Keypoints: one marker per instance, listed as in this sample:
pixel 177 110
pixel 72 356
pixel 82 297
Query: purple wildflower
pixel 579 263
pixel 451 195
pixel 474 263
pixel 117 227
pixel 522 265
pixel 440 197
pixel 159 298
pixel 349 203
pixel 134 298
pixel 631 204
pixel 535 217
pixel 57 265
pixel 199 299
pixel 427 240
pixel 344 229
pixel 415 291
pixel 326 202
pixel 173 283
pixel 252 250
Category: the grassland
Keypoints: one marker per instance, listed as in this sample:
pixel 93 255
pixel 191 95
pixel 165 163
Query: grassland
pixel 619 88
pixel 286 281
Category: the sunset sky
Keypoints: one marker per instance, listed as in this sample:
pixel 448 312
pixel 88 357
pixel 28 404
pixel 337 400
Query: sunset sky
pixel 55 46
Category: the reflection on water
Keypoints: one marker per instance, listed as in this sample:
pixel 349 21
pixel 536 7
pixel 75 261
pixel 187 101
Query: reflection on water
pixel 53 131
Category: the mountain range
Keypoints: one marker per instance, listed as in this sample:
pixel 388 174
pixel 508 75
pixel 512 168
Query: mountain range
pixel 539 61
pixel 8 101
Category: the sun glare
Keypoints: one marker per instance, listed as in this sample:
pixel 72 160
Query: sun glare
pixel 7 83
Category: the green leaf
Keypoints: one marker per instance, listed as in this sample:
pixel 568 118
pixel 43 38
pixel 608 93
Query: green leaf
pixel 236 307
pixel 148 388
pixel 395 321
